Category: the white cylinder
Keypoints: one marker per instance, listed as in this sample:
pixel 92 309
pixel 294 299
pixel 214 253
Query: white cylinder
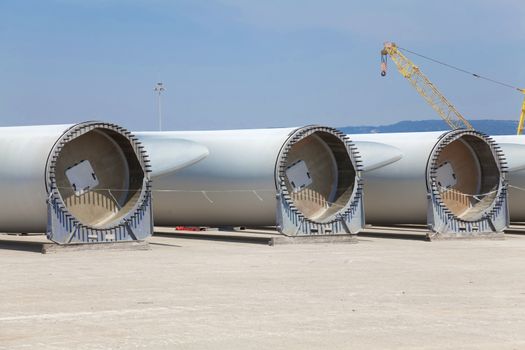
pixel 25 153
pixel 93 175
pixel 463 165
pixel 513 147
pixel 237 183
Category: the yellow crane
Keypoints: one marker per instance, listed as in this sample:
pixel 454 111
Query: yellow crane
pixel 522 115
pixel 424 87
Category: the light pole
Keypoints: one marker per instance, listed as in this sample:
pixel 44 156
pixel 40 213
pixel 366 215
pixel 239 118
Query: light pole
pixel 159 88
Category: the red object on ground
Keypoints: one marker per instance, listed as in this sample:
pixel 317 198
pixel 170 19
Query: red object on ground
pixel 187 228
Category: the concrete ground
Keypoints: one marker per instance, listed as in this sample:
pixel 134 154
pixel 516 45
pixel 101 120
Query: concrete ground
pixel 194 294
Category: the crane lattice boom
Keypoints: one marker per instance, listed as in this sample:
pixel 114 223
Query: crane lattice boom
pixel 423 86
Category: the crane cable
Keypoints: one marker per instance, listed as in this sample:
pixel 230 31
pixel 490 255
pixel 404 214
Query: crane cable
pixel 465 71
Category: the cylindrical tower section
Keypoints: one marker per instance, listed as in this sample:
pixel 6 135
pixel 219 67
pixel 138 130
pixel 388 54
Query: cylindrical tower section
pixel 453 181
pixel 312 171
pixel 87 182
pixel 513 147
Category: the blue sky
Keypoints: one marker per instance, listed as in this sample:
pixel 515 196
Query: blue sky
pixel 244 64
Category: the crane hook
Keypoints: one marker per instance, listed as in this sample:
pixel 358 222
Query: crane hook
pixel 383 64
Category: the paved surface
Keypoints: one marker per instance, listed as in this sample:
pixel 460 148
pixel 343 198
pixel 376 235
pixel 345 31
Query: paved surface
pixel 194 294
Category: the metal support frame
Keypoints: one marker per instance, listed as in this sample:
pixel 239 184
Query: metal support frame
pixel 291 222
pixel 64 228
pixel 444 224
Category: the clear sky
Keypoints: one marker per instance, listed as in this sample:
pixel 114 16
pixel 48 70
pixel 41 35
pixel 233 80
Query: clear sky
pixel 243 64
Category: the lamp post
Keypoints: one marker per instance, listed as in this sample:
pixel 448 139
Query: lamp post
pixel 159 88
